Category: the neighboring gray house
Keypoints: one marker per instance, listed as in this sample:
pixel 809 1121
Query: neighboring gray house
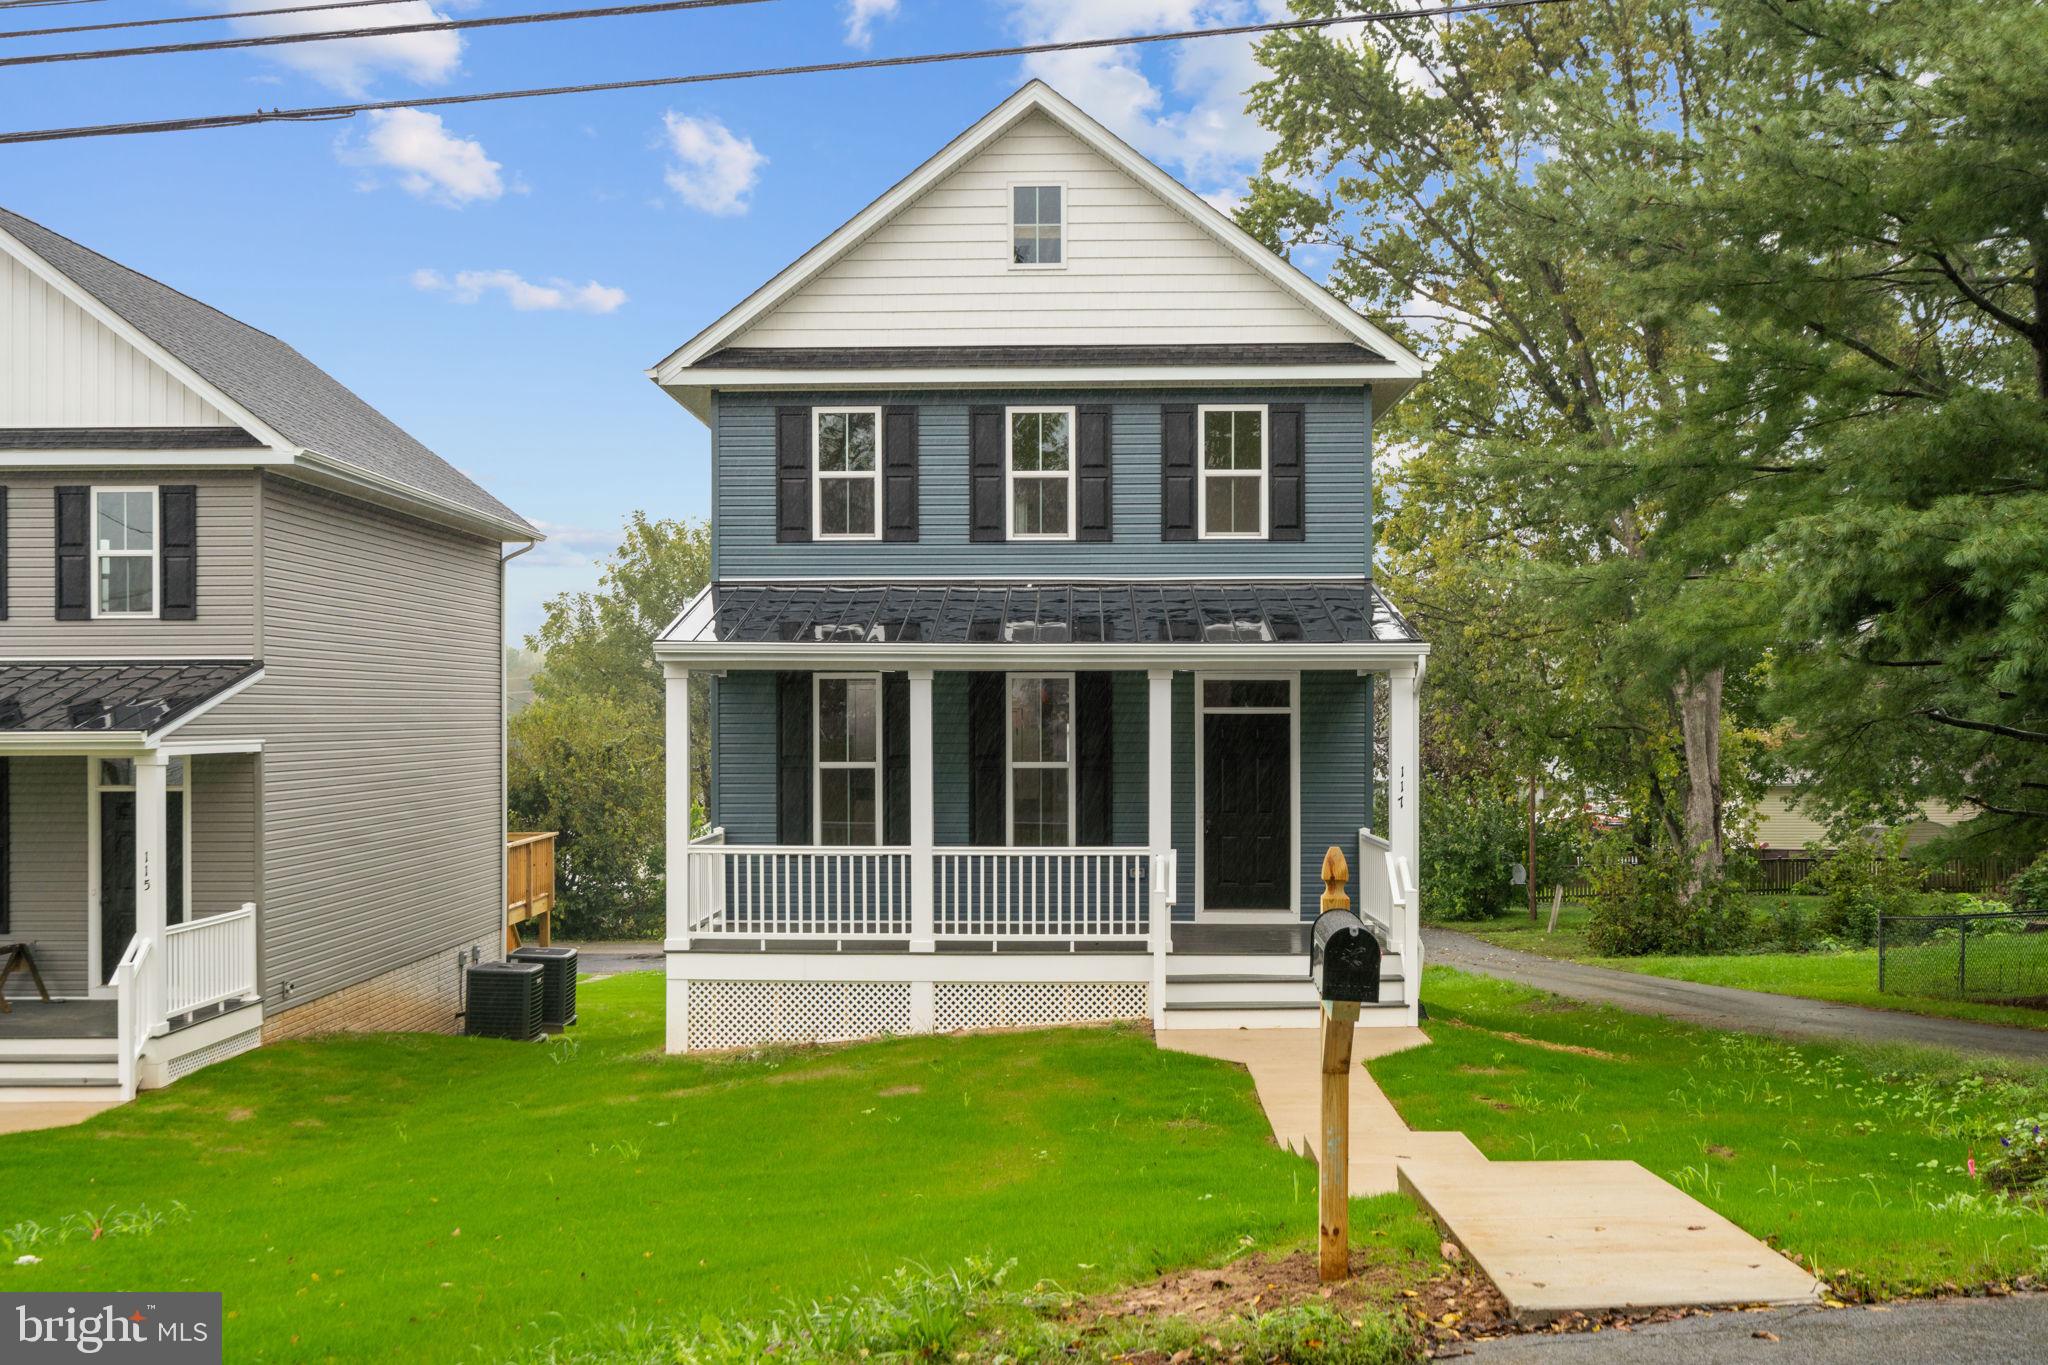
pixel 251 690
pixel 1042 638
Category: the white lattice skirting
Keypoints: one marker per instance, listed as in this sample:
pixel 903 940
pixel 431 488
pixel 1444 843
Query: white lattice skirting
pixel 742 1013
pixel 215 1052
pixel 958 1005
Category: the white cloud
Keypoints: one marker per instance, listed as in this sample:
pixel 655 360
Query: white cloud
pixel 572 546
pixel 430 162
pixel 553 296
pixel 350 64
pixel 863 15
pixel 1196 123
pixel 714 169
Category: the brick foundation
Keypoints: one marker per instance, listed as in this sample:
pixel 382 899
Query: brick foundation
pixel 422 997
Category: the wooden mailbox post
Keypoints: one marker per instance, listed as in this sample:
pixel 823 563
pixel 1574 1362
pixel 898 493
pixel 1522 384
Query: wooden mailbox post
pixel 1333 1186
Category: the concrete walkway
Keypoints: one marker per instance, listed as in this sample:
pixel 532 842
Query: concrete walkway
pixel 1724 1007
pixel 29 1118
pixel 1554 1236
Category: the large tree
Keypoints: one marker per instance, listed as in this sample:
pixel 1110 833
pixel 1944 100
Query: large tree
pixel 1869 219
pixel 586 755
pixel 1445 169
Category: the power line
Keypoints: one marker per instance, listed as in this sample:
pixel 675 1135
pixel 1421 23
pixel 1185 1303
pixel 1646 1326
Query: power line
pixel 172 18
pixel 338 111
pixel 381 31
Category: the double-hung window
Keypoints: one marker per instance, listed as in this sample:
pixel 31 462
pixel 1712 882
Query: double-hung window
pixel 1041 473
pixel 124 539
pixel 1233 492
pixel 1038 225
pixel 1041 757
pixel 847 492
pixel 849 762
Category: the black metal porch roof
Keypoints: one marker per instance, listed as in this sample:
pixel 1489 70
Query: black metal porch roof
pixel 88 696
pixel 1316 613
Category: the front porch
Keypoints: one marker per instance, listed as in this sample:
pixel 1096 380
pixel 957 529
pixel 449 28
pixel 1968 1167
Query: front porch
pixel 913 835
pixel 128 877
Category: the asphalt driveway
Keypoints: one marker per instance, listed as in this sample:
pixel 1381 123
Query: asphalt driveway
pixel 1725 1007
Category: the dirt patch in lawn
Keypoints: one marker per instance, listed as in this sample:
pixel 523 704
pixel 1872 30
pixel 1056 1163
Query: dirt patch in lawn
pixel 1577 1050
pixel 1457 1303
pixel 895 1090
pixel 1467 1069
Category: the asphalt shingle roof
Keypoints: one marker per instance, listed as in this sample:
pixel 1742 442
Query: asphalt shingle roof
pixel 304 403
pixel 110 696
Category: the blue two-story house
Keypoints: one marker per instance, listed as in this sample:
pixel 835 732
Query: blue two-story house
pixel 1043 647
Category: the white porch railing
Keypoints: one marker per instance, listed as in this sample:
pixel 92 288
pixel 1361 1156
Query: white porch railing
pixel 133 1011
pixel 1386 895
pixel 1061 894
pixel 209 961
pixel 763 891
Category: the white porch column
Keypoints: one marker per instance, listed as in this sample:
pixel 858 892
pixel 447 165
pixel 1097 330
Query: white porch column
pixel 923 937
pixel 1159 824
pixel 1404 798
pixel 678 808
pixel 152 866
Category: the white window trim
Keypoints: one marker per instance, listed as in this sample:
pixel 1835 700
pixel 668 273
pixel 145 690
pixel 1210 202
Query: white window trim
pixel 1010 531
pixel 93 788
pixel 819 476
pixel 155 553
pixel 1202 713
pixel 1011 763
pixel 1202 469
pixel 820 766
pixel 1010 224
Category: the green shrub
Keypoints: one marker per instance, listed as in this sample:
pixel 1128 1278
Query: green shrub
pixel 1640 907
pixel 2030 889
pixel 1473 834
pixel 1863 879
pixel 1788 927
pixel 2018 1166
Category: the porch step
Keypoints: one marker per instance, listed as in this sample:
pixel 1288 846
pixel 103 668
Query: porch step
pixel 1278 967
pixel 1208 988
pixel 1262 1014
pixel 61 1070
pixel 25 1049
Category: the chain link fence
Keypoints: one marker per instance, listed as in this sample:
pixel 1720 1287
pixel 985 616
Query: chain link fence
pixel 1999 957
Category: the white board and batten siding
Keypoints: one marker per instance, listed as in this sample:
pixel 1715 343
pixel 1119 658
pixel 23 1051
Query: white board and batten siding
pixel 382 788
pixel 939 272
pixel 226 626
pixel 62 367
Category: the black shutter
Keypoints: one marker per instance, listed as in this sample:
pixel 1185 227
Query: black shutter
pixel 1092 462
pixel 792 475
pixel 899 473
pixel 74 554
pixel 1286 495
pixel 987 719
pixel 3 617
pixel 6 825
pixel 178 506
pixel 1177 471
pixel 1094 761
pixel 985 474
pixel 896 758
pixel 793 759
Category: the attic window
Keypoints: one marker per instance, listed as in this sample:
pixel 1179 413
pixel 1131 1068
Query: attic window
pixel 1038 224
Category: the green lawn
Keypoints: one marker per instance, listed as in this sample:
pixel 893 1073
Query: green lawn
pixel 1854 1159
pixel 428 1198
pixel 1846 977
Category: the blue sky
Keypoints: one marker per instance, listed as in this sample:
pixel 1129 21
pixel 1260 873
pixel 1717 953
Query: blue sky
pixel 496 278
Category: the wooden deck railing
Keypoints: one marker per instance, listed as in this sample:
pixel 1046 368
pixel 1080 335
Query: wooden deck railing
pixel 529 886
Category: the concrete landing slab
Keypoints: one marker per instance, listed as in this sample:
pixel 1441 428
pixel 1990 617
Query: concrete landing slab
pixel 29 1116
pixel 1581 1236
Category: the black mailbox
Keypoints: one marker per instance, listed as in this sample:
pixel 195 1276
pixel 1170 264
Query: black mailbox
pixel 1344 958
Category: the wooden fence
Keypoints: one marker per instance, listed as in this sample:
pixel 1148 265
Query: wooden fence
pixel 529 886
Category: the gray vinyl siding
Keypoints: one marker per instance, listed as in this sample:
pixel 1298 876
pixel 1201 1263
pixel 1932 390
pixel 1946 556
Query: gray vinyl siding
pixel 1337 440
pixel 380 714
pixel 1336 781
pixel 1184 824
pixel 743 771
pixel 224 834
pixel 1130 772
pixel 226 625
pixel 47 877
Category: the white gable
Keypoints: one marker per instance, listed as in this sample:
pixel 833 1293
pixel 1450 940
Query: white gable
pixel 1139 271
pixel 61 367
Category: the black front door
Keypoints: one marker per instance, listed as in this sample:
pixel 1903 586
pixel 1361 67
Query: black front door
pixel 117 877
pixel 117 871
pixel 1247 805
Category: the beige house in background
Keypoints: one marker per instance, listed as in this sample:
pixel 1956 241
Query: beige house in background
pixel 1784 828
